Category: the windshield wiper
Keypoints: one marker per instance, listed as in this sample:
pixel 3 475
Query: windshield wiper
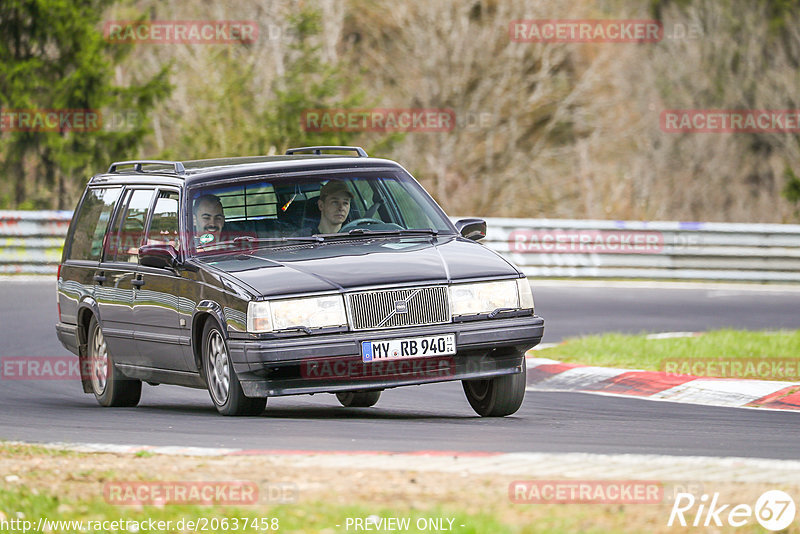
pixel 406 231
pixel 320 238
pixel 277 240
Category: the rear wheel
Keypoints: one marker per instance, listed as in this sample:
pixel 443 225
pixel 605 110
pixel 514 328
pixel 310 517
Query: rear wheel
pixel 109 385
pixel 496 397
pixel 223 384
pixel 359 399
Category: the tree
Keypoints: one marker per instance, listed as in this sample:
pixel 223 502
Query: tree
pixel 255 95
pixel 53 57
pixel 792 188
pixel 308 84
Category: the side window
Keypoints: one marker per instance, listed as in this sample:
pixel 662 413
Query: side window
pixel 113 232
pixel 364 200
pixel 91 223
pixel 410 205
pixel 164 226
pixel 131 233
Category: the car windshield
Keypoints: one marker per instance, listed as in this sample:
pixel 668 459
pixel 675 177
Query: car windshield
pixel 274 211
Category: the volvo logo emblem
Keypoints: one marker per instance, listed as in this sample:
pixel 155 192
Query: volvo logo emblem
pixel 400 308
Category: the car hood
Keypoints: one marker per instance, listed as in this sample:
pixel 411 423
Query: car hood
pixel 359 263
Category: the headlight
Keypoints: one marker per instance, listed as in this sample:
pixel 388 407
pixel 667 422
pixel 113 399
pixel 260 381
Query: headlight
pixel 483 297
pixel 310 312
pixel 525 293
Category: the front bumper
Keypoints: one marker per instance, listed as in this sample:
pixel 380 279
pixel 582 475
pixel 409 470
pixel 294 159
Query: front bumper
pixel 332 362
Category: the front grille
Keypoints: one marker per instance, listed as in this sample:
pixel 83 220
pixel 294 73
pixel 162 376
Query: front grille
pixel 399 307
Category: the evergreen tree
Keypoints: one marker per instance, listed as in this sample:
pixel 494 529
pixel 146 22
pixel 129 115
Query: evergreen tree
pixel 53 57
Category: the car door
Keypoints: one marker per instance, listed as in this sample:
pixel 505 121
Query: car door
pixel 84 249
pixel 161 332
pixel 117 272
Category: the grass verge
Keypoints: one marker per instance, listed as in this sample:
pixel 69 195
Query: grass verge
pixel 22 509
pixel 37 484
pixel 717 351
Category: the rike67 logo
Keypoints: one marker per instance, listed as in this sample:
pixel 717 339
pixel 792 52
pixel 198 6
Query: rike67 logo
pixel 774 510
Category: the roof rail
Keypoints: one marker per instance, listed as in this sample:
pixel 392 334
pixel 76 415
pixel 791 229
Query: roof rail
pixel 177 166
pixel 318 150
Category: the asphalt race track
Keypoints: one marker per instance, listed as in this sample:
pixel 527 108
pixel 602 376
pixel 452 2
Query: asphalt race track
pixel 435 417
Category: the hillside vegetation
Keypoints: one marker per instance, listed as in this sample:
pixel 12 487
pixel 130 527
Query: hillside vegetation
pixel 566 130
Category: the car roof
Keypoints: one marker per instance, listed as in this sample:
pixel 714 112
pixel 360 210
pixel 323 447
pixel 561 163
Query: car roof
pixel 196 171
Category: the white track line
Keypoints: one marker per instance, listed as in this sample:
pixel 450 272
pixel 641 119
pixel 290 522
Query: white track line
pixel 578 378
pixel 721 392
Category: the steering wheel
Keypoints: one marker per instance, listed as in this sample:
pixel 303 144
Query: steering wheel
pixel 366 221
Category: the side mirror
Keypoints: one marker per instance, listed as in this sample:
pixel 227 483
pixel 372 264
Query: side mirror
pixel 474 229
pixel 160 255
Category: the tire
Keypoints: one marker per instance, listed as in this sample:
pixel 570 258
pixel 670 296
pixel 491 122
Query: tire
pixel 109 385
pixel 359 399
pixel 223 384
pixel 496 397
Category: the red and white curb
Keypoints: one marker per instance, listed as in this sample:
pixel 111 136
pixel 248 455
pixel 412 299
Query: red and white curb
pixel 550 375
pixel 533 464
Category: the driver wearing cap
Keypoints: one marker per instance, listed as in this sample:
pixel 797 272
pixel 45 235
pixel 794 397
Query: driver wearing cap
pixel 334 206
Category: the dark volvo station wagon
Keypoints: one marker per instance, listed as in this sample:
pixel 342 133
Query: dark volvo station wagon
pixel 296 274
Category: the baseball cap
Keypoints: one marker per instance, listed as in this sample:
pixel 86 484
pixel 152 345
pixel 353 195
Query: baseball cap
pixel 334 187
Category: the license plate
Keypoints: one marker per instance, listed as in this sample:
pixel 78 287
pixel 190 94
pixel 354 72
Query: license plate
pixel 413 347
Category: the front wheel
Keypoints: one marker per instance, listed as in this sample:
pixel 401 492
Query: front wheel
pixel 359 399
pixel 496 397
pixel 223 384
pixel 109 385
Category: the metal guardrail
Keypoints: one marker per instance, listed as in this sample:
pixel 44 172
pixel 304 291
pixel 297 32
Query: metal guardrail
pixel 650 250
pixel 31 241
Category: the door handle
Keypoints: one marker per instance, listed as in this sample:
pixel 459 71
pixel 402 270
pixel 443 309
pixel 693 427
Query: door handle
pixel 137 282
pixel 100 278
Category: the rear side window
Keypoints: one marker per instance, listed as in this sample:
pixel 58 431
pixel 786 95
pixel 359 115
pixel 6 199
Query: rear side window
pixel 91 223
pixel 131 233
pixel 164 224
